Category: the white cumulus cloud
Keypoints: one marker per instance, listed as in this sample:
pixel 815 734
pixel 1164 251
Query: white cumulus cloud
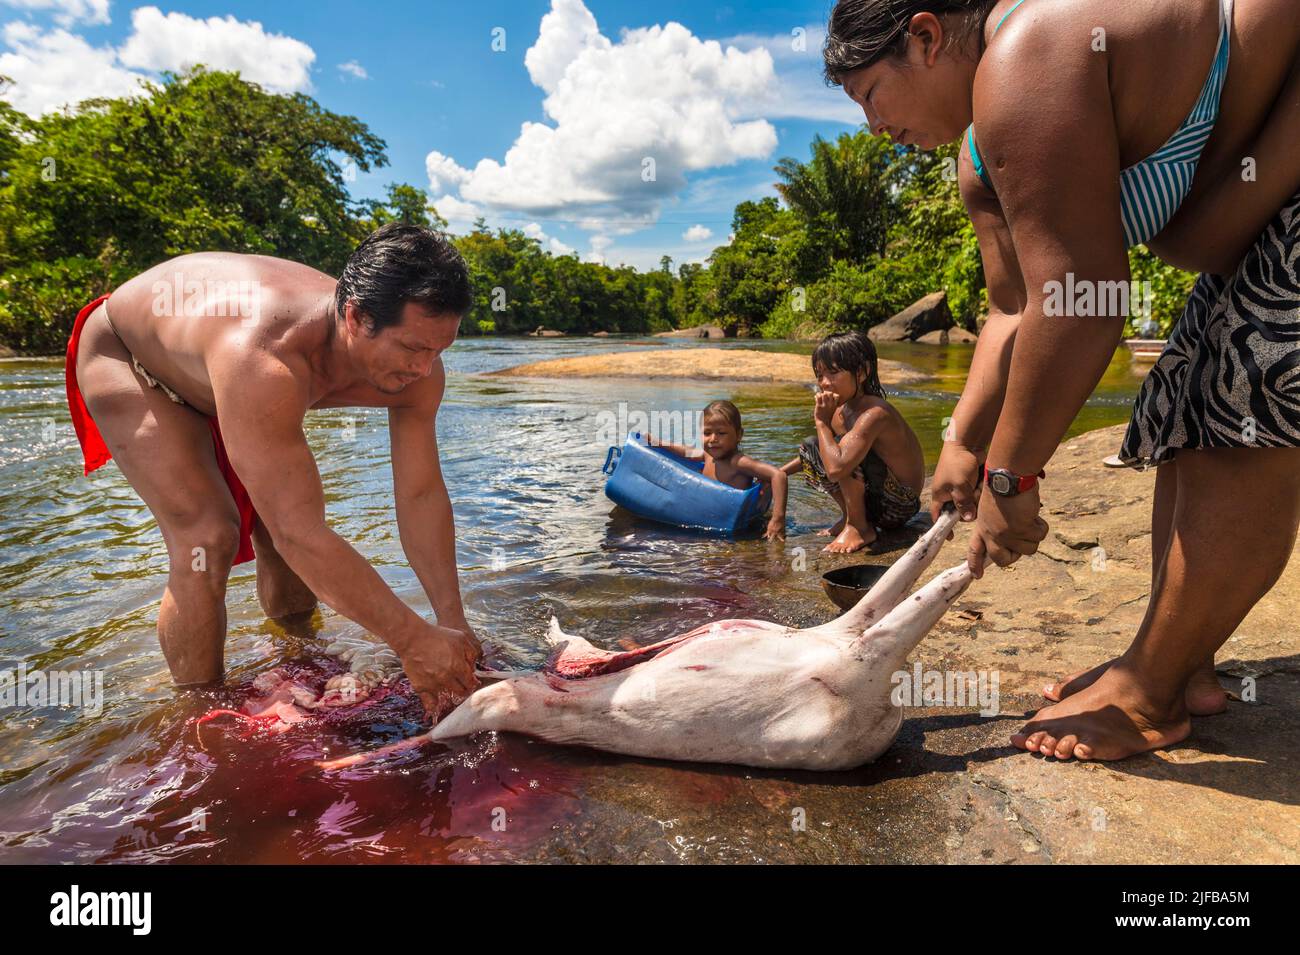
pixel 799 91
pixel 697 233
pixel 52 68
pixel 460 215
pixel 174 41
pixel 626 121
pixel 443 172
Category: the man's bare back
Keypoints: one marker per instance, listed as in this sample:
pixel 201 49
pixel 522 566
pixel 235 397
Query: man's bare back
pixel 196 311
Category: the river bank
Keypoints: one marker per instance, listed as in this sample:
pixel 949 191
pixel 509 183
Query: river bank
pixel 700 363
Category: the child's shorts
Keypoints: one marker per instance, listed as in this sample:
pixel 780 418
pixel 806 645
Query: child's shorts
pixel 890 502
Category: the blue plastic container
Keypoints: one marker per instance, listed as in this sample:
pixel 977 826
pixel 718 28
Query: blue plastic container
pixel 660 486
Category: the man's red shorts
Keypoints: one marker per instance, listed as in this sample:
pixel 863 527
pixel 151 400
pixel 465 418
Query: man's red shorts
pixel 96 453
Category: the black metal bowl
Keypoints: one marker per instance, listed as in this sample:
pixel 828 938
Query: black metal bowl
pixel 847 585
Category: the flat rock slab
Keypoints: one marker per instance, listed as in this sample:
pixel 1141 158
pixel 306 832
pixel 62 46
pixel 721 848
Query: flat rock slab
pixel 731 364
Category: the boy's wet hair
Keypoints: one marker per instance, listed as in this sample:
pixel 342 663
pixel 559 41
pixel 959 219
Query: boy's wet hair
pixel 723 409
pixel 852 352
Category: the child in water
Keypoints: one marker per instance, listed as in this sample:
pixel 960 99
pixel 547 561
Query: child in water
pixel 864 454
pixel 720 434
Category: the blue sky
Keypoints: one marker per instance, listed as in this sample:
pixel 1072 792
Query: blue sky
pixel 650 130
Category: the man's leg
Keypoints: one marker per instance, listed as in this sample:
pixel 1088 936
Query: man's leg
pixel 280 591
pixel 1204 694
pixel 164 450
pixel 1233 532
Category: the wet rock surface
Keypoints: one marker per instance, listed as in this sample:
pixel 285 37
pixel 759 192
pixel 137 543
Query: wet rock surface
pixel 952 789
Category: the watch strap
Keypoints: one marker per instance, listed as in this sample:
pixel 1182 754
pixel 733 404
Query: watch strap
pixel 1023 482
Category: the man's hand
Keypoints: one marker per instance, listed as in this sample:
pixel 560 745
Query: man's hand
pixel 1006 529
pixel 957 479
pixel 456 621
pixel 440 665
pixel 824 408
pixel 775 529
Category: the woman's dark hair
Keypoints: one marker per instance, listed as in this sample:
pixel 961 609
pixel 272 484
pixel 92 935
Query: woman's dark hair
pixel 397 264
pixel 861 32
pixel 852 352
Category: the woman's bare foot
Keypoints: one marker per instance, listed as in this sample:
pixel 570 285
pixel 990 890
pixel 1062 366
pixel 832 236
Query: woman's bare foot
pixel 1111 718
pixel 850 539
pixel 833 530
pixel 1205 696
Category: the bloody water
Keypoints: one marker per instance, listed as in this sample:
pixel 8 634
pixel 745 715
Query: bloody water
pixel 83 568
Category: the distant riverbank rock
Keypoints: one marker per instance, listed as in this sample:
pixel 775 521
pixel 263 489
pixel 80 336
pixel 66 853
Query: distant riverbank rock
pixel 600 334
pixel 929 314
pixel 730 364
pixel 700 331
pixel 949 336
pixel 543 332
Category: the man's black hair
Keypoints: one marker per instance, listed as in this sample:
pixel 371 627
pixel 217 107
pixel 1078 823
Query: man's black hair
pixel 852 352
pixel 397 264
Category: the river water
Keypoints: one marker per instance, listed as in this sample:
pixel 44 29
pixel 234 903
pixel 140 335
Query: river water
pixel 132 779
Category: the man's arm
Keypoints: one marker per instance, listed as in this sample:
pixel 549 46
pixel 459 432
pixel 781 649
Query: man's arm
pixel 261 412
pixel 261 404
pixel 425 523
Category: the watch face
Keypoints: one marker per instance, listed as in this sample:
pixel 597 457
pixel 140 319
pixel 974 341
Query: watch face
pixel 1000 483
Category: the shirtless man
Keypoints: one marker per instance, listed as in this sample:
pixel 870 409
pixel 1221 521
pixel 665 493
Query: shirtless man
pixel 254 342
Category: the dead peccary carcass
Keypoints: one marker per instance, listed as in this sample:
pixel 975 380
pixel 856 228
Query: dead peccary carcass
pixel 736 691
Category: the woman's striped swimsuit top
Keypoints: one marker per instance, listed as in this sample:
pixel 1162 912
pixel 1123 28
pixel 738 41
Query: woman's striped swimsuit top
pixel 1152 190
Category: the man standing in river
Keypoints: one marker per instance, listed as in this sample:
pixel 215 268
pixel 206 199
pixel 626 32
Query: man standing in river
pixel 198 384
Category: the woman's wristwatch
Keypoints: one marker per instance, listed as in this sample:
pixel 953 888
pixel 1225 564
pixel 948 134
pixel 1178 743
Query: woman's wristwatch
pixel 1006 483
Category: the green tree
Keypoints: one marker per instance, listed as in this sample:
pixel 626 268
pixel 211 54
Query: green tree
pixel 406 204
pixel 843 193
pixel 203 160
